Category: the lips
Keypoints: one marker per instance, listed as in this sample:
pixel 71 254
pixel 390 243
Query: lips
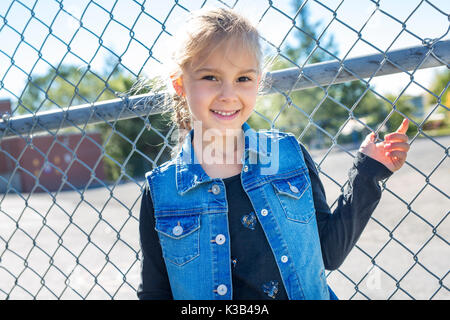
pixel 225 115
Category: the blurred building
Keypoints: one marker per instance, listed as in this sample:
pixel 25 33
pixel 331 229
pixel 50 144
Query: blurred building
pixel 418 103
pixel 48 163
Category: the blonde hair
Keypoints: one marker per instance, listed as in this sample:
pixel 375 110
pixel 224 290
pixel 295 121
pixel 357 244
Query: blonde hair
pixel 207 28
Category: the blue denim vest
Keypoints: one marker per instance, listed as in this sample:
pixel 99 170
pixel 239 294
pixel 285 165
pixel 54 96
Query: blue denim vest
pixel 191 218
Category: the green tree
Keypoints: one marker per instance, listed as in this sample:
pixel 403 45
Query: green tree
pixel 63 87
pixel 317 114
pixel 401 105
pixel 128 147
pixel 439 87
pixel 405 105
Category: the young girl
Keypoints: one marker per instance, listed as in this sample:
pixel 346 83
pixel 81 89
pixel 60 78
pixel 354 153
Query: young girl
pixel 240 214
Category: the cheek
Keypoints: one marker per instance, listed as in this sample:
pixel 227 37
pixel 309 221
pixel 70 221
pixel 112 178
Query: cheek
pixel 199 94
pixel 250 96
pixel 198 102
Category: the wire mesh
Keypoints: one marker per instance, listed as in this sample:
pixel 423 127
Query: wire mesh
pixel 75 144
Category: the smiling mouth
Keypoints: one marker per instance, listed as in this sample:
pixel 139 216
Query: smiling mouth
pixel 226 114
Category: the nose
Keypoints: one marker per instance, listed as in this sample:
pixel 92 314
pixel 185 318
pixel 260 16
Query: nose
pixel 228 92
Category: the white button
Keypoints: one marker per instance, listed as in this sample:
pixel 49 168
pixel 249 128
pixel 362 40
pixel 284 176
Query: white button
pixel 222 289
pixel 245 168
pixel 284 259
pixel 215 189
pixel 264 212
pixel 220 239
pixel 294 189
pixel 177 230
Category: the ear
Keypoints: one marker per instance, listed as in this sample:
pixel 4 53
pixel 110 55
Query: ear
pixel 178 86
pixel 258 81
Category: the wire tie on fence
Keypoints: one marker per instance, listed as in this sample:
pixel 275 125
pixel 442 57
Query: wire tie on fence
pixel 6 116
pixel 125 100
pixel 428 42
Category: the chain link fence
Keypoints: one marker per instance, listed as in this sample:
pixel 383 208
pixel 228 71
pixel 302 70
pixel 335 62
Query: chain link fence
pixel 75 139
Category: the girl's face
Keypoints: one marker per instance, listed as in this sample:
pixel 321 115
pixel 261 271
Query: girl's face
pixel 224 81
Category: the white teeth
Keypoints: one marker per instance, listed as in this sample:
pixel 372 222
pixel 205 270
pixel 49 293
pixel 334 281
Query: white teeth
pixel 225 113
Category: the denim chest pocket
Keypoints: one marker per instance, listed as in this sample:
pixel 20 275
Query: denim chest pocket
pixel 295 196
pixel 179 237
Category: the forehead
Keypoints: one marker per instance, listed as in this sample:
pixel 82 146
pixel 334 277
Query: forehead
pixel 227 54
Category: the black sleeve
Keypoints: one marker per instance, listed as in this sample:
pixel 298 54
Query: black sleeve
pixel 154 279
pixel 339 231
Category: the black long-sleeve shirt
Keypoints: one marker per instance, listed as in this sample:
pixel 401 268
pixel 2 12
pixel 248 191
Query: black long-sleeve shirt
pixel 255 274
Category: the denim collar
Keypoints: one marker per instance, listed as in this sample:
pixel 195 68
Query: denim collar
pixel 189 172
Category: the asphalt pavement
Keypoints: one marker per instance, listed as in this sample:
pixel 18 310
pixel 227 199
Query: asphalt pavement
pixel 76 244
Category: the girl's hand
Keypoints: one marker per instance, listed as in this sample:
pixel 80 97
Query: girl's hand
pixel 392 151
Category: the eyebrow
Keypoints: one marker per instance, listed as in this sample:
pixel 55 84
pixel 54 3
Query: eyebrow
pixel 218 71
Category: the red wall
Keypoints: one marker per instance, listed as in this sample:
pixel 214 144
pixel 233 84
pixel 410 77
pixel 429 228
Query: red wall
pixel 51 161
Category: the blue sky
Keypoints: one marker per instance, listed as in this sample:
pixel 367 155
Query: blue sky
pixel 380 30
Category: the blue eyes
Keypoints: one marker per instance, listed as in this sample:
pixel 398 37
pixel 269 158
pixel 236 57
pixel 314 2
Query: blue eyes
pixel 213 78
pixel 244 79
pixel 209 78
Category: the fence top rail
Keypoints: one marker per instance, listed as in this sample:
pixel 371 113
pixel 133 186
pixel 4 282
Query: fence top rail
pixel 292 79
pixel 357 68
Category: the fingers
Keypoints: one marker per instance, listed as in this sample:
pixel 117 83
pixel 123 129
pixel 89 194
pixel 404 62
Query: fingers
pixel 398 158
pixel 400 134
pixel 403 126
pixel 395 136
pixel 401 155
pixel 396 145
pixel 371 137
